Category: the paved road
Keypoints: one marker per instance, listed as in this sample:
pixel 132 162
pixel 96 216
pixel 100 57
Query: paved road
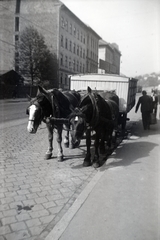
pixel 35 193
pixel 13 109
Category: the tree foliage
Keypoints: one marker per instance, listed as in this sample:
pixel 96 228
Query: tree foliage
pixel 35 61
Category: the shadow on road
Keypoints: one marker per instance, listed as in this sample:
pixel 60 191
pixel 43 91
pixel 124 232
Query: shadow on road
pixel 136 147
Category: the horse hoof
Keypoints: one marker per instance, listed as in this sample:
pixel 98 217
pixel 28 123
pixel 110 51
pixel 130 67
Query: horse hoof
pixel 96 164
pixel 87 164
pixel 60 159
pixel 48 156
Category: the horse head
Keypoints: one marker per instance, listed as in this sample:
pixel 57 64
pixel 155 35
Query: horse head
pixel 78 126
pixel 39 109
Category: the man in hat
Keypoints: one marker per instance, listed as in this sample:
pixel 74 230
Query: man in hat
pixel 146 108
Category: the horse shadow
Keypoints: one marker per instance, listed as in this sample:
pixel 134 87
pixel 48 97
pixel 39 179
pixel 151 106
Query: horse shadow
pixel 137 146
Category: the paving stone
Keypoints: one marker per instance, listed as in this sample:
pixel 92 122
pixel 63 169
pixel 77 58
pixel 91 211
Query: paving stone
pixel 4 230
pixel 38 214
pixel 36 189
pixel 55 210
pixel 54 197
pixel 37 207
pixel 20 198
pixel 8 220
pixel 11 212
pixel 6 200
pixel 23 216
pixel 29 202
pixel 23 192
pixel 31 195
pixel 18 226
pixel 20 235
pixel 47 219
pixel 15 204
pixel 41 200
pixel 33 222
pixel 36 230
pixel 49 204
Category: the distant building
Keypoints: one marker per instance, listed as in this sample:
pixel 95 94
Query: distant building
pixel 74 43
pixel 109 58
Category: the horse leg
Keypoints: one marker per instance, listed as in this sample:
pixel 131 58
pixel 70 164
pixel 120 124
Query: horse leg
pixel 59 141
pixel 87 160
pixel 96 162
pixel 48 154
pixel 102 142
pixel 66 137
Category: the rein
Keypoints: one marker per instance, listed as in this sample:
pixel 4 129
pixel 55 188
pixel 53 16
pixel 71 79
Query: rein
pixel 95 116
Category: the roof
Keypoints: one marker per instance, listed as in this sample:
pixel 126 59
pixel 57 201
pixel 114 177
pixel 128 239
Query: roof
pixel 11 77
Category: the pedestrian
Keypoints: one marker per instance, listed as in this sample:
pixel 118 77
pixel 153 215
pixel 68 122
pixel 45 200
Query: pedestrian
pixel 155 101
pixel 146 108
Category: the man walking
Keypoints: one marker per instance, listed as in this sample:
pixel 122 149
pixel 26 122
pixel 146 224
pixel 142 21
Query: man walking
pixel 146 109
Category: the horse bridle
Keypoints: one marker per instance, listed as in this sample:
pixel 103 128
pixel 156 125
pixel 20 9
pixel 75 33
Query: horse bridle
pixel 41 111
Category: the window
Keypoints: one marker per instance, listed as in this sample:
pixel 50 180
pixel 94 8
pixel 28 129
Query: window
pixel 78 50
pixel 70 46
pixel 73 65
pixel 70 63
pixel 70 28
pixel 66 25
pixel 84 40
pixel 78 34
pixel 83 69
pixel 81 36
pixel 16 38
pixel 74 48
pixel 66 44
pixel 77 66
pixel 18 2
pixel 16 24
pixel 74 31
pixel 61 59
pixel 62 22
pixel 80 67
pixel 61 40
pixel 83 53
pixel 66 62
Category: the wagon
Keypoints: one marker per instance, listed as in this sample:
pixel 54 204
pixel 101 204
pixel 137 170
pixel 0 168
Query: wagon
pixel 124 87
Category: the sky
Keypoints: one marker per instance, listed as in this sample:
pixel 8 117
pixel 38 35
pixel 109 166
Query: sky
pixel 133 24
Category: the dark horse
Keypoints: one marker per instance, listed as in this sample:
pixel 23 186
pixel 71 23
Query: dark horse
pixel 95 113
pixel 52 107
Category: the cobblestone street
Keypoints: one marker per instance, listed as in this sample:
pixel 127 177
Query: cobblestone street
pixel 36 193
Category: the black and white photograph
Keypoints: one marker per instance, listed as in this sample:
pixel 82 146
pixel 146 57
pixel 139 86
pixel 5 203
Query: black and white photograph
pixel 79 119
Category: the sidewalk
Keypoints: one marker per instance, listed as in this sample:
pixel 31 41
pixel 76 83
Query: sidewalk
pixel 122 201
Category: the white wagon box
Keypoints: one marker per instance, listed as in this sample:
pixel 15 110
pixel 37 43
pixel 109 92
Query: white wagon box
pixel 124 87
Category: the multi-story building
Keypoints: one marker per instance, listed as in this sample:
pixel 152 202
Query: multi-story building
pixel 109 58
pixel 74 43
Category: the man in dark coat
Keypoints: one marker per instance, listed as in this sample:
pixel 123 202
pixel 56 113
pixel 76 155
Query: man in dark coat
pixel 146 109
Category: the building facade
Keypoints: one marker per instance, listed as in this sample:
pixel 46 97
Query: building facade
pixel 74 43
pixel 109 58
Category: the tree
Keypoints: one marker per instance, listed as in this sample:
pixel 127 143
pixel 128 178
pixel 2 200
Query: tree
pixel 35 61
